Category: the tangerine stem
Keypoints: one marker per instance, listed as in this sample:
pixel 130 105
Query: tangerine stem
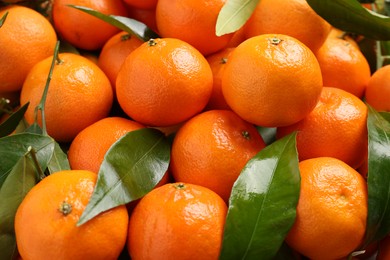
pixel 65 208
pixel 41 105
pixel 33 154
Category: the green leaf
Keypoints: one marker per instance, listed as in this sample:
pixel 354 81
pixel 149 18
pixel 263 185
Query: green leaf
pixel 131 26
pixel 15 146
pixel 233 15
pixel 385 115
pixel 262 206
pixel 351 16
pixel 10 124
pixel 59 160
pixel 2 19
pixel 21 179
pixel 34 128
pixel 268 134
pixel 378 181
pixel 131 168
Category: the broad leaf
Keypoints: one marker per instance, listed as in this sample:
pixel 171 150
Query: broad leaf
pixel 133 27
pixel 351 16
pixel 59 160
pixel 268 134
pixel 262 206
pixel 131 168
pixel 233 15
pixel 10 124
pixel 21 179
pixel 34 128
pixel 15 146
pixel 378 220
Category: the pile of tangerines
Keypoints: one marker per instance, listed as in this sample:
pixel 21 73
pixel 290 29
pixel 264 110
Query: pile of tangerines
pixel 286 69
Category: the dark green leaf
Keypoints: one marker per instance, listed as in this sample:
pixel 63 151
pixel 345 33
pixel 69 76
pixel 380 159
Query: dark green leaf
pixel 10 124
pixel 34 128
pixel 15 146
pixel 351 16
pixel 233 15
pixel 131 168
pixel 2 19
pixel 378 220
pixel 268 134
pixel 21 179
pixel 133 27
pixel 59 160
pixel 286 253
pixel 262 206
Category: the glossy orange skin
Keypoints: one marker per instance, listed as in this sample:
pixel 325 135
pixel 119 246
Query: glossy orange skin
pixel 331 211
pixel 88 148
pixel 294 18
pixel 114 53
pixel 343 66
pixel 81 29
pixel 217 63
pixel 212 148
pixel 26 38
pixel 192 21
pixel 164 82
pixel 79 95
pixel 378 89
pixel 44 232
pixel 177 221
pixel 335 128
pixel 272 80
pixel 144 4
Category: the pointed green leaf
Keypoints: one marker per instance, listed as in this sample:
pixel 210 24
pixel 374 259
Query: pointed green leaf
pixel 34 128
pixel 351 16
pixel 131 168
pixel 262 206
pixel 10 124
pixel 21 179
pixel 133 27
pixel 15 146
pixel 59 161
pixel 2 19
pixel 233 15
pixel 378 219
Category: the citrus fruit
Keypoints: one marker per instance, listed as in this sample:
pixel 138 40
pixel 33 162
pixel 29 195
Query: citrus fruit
pixel 337 127
pixel 79 95
pixel 272 80
pixel 332 210
pixel 177 220
pixel 212 148
pixel 294 18
pixel 192 21
pixel 88 148
pixel 343 66
pixel 46 221
pixel 81 29
pixel 164 82
pixel 114 53
pixel 145 4
pixel 384 249
pixel 26 38
pixel 217 62
pixel 378 89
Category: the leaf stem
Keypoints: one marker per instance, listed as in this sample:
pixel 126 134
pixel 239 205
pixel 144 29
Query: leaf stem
pixel 33 154
pixel 41 105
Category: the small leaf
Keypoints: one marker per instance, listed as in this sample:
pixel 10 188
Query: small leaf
pixel 34 128
pixel 21 179
pixel 2 19
pixel 59 160
pixel 10 124
pixel 262 206
pixel 378 181
pixel 268 134
pixel 351 16
pixel 131 168
pixel 234 15
pixel 131 26
pixel 15 146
